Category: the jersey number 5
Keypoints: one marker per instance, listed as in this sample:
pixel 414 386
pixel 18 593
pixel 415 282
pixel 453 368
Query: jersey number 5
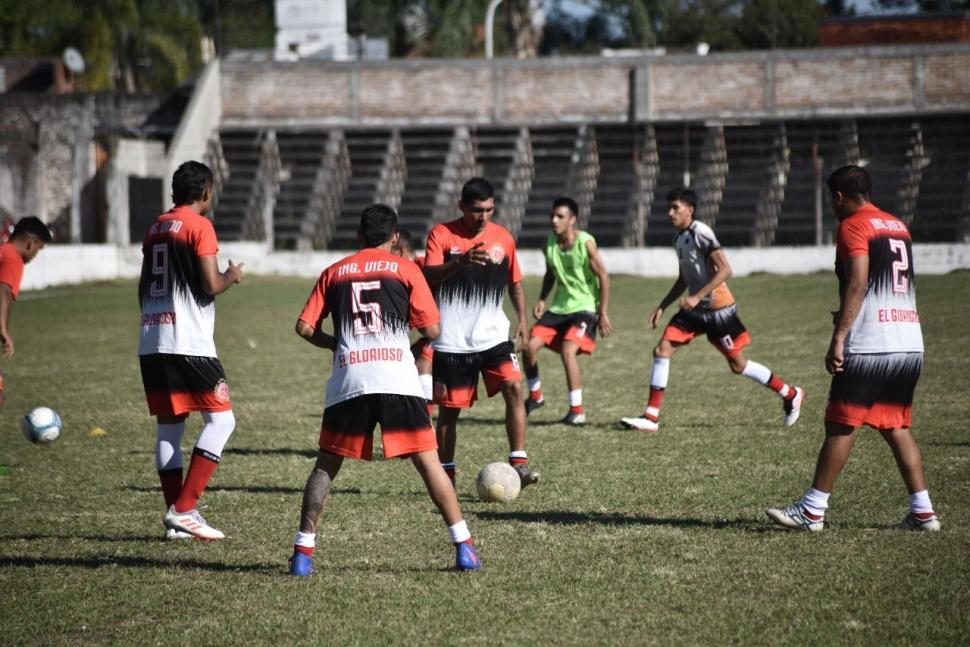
pixel 901 266
pixel 159 285
pixel 367 316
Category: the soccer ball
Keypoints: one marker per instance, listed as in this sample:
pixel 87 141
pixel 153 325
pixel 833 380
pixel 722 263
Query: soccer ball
pixel 498 483
pixel 41 425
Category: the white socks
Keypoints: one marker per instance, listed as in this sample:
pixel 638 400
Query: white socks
pixel 660 373
pixel 576 398
pixel 305 539
pixel 815 501
pixel 757 372
pixel 459 532
pixel 919 502
pixel 518 453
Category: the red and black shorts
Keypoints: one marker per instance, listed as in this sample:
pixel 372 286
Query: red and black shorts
pixel 348 426
pixel 875 390
pixel 177 384
pixel 578 327
pixel 456 374
pixel 722 327
pixel 422 349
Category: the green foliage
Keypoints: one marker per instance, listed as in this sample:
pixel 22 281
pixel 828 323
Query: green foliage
pixel 632 539
pixel 770 23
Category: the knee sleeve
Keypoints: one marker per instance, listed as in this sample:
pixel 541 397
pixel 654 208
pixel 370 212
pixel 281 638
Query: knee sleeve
pixel 218 427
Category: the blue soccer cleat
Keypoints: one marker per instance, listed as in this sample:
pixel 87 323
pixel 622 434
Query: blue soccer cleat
pixel 301 565
pixel 466 559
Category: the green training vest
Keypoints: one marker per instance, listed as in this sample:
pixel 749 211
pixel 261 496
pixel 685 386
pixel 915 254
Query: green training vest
pixel 577 287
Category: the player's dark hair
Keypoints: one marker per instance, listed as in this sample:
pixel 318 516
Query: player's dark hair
pixel 569 203
pixel 851 181
pixel 31 226
pixel 191 179
pixel 477 189
pixel 378 222
pixel 685 195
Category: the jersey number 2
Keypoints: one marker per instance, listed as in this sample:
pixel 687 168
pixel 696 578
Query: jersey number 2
pixel 901 266
pixel 371 321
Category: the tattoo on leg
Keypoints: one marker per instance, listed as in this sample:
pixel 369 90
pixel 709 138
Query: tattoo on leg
pixel 315 499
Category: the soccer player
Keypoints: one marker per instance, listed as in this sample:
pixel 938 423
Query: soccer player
pixel 29 236
pixel 375 298
pixel 574 266
pixel 180 279
pixel 421 349
pixel 875 355
pixel 469 263
pixel 707 309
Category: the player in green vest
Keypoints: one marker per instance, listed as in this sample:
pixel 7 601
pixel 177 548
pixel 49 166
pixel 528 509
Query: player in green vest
pixel 569 326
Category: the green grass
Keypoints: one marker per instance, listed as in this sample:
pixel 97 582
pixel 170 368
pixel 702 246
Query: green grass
pixel 631 538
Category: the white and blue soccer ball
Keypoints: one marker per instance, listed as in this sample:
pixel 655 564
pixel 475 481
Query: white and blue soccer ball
pixel 41 425
pixel 498 483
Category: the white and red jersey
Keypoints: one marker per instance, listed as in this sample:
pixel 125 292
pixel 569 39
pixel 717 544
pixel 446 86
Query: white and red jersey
pixel 694 246
pixel 375 299
pixel 888 321
pixel 177 315
pixel 470 300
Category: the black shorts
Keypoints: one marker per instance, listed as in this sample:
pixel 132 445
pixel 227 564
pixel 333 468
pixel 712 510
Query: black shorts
pixel 177 384
pixel 875 390
pixel 723 328
pixel 348 426
pixel 456 374
pixel 577 327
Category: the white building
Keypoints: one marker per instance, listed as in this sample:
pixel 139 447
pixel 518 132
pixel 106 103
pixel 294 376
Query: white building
pixel 311 29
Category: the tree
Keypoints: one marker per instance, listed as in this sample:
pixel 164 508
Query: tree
pixel 766 24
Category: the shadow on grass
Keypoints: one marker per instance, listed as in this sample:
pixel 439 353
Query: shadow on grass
pixel 280 451
pixel 570 518
pixel 251 489
pixel 140 562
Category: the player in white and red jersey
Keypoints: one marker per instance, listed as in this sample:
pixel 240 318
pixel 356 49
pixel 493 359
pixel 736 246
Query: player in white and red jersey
pixel 421 349
pixel 180 279
pixel 470 262
pixel 374 298
pixel 875 356
pixel 709 309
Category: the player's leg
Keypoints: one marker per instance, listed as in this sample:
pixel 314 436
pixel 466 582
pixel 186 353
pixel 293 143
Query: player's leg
pixel 910 464
pixel 442 492
pixel 168 455
pixel 808 513
pixel 446 431
pixel 501 373
pixel 316 495
pixel 530 358
pixel 649 420
pixel 423 365
pixel 729 336
pixel 569 354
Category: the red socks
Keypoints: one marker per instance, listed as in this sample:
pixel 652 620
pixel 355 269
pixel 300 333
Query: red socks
pixel 203 465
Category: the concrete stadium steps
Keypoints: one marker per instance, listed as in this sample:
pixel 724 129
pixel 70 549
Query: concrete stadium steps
pixel 366 149
pixel 678 149
pixel 749 155
pixel 241 150
pixel 425 154
pixel 301 155
pixel 796 224
pixel 616 147
pixel 883 146
pixel 552 153
pixel 946 141
pixel 494 152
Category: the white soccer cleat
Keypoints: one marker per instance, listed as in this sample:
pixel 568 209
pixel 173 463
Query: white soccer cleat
pixel 641 423
pixel 192 523
pixel 912 522
pixel 794 517
pixel 793 407
pixel 173 535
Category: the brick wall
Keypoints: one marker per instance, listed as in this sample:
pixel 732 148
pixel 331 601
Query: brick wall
pixel 778 84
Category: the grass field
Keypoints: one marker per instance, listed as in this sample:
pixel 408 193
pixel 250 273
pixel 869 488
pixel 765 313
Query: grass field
pixel 631 539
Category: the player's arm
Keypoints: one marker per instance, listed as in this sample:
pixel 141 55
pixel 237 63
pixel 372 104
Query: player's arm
pixel 215 282
pixel 517 296
pixel 315 335
pixel 548 282
pixel 436 274
pixel 849 306
pixel 431 331
pixel 675 291
pixel 6 304
pixel 599 269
